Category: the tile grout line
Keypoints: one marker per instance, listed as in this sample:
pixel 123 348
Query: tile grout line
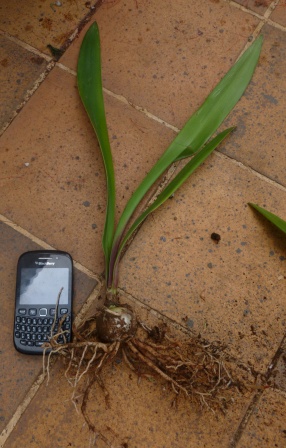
pixel 28 95
pixel 125 101
pixel 26 46
pixel 45 245
pixel 255 400
pixel 21 409
pixel 255 173
pixel 4 435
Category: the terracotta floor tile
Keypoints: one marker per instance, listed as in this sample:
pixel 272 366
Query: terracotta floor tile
pixel 231 291
pixel 166 56
pixel 258 6
pixel 140 415
pixel 279 13
pixel 42 23
pixel 259 141
pixel 18 371
pixel 266 427
pixel 52 178
pixel 19 71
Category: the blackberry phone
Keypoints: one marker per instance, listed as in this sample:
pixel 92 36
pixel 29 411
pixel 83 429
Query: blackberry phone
pixel 43 305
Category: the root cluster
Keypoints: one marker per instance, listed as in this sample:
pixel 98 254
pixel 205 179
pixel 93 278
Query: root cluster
pixel 194 369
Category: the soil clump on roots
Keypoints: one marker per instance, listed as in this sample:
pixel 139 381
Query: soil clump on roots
pixel 195 369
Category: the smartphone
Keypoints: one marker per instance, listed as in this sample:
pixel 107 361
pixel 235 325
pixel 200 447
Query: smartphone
pixel 44 287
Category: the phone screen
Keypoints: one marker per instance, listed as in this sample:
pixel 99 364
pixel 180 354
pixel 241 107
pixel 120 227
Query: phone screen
pixel 42 286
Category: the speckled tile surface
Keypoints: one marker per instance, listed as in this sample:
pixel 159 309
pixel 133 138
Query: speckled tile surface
pixel 266 426
pixel 52 164
pixel 233 290
pixel 175 52
pixel 43 23
pixel 18 371
pixel 258 6
pixel 260 138
pixel 279 14
pixel 20 70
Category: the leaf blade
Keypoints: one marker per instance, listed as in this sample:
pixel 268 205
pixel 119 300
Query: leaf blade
pixel 274 219
pixel 91 93
pixel 198 129
pixel 173 186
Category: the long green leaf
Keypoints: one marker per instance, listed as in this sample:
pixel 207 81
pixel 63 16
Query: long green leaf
pixel 90 90
pixel 198 129
pixel 278 222
pixel 171 188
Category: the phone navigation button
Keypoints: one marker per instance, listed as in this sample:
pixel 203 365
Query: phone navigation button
pixel 43 312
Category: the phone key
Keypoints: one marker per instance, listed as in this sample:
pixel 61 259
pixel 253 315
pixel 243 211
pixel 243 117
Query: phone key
pixel 28 336
pixel 23 320
pixel 34 329
pixel 17 327
pixel 18 319
pixel 67 319
pixel 64 311
pixel 23 328
pixel 43 312
pixel 23 342
pixel 17 334
pixel 39 321
pixel 39 337
pixel 29 320
pixel 45 329
pixel 34 336
pixel 22 311
pixel 51 321
pixel 23 336
pixel 38 344
pixel 33 311
pixel 29 329
pixel 30 343
pixel 34 321
pixel 45 337
pixel 45 321
pixel 66 326
pixel 40 330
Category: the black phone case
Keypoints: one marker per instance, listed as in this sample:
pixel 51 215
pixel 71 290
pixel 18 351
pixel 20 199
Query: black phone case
pixel 35 323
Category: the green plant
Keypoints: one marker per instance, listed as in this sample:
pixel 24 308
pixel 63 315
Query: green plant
pixel 192 140
pixel 198 370
pixel 278 222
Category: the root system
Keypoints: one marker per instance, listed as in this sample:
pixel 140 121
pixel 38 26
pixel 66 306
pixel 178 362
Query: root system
pixel 195 369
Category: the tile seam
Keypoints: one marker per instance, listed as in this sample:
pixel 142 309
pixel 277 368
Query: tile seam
pixel 26 46
pixel 124 100
pixel 79 318
pixel 45 245
pixel 29 93
pixel 251 170
pixel 21 409
pixel 255 400
pixel 153 117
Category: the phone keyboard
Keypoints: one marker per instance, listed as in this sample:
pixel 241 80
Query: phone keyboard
pixel 33 332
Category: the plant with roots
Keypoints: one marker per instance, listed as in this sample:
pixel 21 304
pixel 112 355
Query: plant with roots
pixel 194 369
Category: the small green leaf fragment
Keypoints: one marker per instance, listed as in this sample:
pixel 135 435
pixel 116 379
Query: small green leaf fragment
pixel 274 219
